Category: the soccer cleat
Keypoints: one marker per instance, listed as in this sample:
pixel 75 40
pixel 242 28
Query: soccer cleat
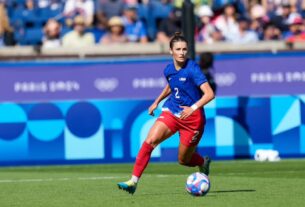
pixel 205 168
pixel 128 186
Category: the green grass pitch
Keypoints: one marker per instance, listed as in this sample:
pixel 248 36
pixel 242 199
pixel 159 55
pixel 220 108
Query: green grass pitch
pixel 233 184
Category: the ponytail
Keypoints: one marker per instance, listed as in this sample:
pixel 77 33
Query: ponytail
pixel 178 37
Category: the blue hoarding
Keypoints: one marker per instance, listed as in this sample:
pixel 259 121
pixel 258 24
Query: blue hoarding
pixel 97 112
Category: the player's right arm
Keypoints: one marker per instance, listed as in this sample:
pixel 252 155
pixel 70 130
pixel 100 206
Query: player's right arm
pixel 165 92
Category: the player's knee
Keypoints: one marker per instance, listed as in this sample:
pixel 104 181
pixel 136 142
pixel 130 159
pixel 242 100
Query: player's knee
pixel 152 142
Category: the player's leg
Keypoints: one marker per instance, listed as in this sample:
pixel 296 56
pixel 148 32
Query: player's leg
pixel 189 157
pixel 157 134
pixel 191 130
pixel 187 151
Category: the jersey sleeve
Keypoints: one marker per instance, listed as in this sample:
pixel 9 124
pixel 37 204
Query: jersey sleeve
pixel 197 75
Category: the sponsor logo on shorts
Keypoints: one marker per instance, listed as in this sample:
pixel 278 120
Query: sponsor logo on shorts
pixel 161 117
pixel 182 79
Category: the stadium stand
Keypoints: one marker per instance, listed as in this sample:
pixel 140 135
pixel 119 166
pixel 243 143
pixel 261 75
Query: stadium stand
pixel 266 19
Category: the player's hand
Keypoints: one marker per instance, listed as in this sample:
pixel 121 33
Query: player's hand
pixel 152 108
pixel 186 112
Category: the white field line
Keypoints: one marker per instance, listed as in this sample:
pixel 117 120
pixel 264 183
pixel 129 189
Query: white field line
pixel 116 177
pixel 33 180
pixel 79 178
pixel 58 179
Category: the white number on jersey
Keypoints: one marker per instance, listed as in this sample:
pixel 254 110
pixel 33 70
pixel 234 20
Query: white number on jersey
pixel 177 92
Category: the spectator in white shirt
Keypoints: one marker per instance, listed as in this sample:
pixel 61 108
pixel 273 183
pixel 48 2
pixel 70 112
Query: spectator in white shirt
pixel 226 22
pixel 51 37
pixel 84 8
pixel 78 37
pixel 244 34
pixel 208 33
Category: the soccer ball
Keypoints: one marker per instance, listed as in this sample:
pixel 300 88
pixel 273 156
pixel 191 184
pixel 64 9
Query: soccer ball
pixel 197 184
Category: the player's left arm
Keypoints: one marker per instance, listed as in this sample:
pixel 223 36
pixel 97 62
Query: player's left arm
pixel 207 96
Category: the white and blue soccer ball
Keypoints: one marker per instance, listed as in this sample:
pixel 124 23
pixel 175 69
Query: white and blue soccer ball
pixel 198 184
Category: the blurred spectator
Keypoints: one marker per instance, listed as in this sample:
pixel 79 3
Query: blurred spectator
pixel 30 4
pixel 208 33
pixel 281 17
pixel 199 3
pixel 161 8
pixel 78 37
pixel 271 6
pixel 152 12
pixel 109 8
pixel 226 22
pixel 134 28
pixel 296 29
pixel 271 32
pixel 6 32
pixel 115 33
pixel 51 37
pixel 99 29
pixel 257 11
pixel 84 8
pixel 240 5
pixel 275 7
pixel 303 8
pixel 259 19
pixel 169 26
pixel 206 63
pixel 105 9
pixel 50 4
pixel 243 35
pixel 131 2
pixel 43 3
pixel 296 5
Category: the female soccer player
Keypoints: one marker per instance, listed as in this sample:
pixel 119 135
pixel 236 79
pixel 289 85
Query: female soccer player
pixel 188 92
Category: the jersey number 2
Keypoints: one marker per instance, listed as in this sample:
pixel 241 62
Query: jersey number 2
pixel 177 92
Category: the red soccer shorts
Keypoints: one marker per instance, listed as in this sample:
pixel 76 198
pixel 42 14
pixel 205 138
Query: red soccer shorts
pixel 190 129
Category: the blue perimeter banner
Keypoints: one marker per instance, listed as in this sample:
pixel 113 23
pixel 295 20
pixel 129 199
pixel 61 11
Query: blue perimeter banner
pixel 97 111
pixel 250 75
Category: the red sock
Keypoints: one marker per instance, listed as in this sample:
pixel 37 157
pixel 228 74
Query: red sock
pixel 142 159
pixel 196 160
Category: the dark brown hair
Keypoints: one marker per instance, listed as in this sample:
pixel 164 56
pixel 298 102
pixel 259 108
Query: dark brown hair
pixel 177 38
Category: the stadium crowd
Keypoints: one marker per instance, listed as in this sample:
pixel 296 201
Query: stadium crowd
pixel 76 23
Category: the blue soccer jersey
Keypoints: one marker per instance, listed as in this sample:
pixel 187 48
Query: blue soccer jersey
pixel 184 85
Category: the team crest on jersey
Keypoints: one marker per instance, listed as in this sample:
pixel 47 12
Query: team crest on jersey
pixel 182 79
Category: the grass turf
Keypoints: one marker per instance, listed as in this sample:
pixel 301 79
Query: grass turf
pixel 233 184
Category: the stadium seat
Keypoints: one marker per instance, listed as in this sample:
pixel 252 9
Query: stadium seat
pixel 33 36
pixel 19 1
pixel 31 18
pixel 19 34
pixel 49 13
